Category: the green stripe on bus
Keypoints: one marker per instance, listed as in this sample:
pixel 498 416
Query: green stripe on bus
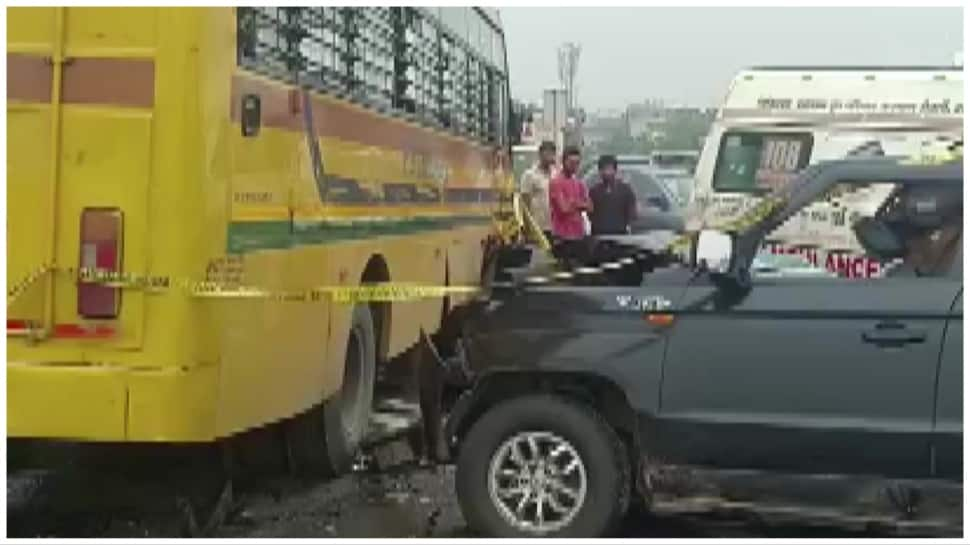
pixel 248 236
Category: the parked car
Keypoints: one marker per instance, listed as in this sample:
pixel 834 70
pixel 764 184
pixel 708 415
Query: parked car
pixel 660 205
pixel 685 160
pixel 820 396
pixel 678 182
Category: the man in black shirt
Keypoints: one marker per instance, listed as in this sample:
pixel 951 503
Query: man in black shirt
pixel 614 202
pixel 922 226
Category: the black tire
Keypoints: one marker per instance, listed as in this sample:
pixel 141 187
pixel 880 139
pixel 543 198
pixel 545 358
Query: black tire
pixel 325 440
pixel 600 450
pixel 356 393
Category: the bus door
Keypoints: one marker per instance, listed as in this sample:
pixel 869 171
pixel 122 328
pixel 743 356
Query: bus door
pixel 80 99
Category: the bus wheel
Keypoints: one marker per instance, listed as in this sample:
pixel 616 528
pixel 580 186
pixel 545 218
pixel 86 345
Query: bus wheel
pixel 324 441
pixel 347 414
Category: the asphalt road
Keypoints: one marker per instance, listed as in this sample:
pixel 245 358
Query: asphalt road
pixel 420 503
pixel 391 498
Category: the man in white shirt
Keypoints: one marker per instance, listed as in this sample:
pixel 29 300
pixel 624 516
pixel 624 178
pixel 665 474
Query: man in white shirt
pixel 535 187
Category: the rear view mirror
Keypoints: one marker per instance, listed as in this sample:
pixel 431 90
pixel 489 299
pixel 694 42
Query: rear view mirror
pixel 714 251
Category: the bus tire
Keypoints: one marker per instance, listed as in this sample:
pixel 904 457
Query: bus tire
pixel 346 415
pixel 323 441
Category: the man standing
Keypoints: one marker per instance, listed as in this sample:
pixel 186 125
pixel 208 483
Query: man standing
pixel 535 187
pixel 614 202
pixel 568 200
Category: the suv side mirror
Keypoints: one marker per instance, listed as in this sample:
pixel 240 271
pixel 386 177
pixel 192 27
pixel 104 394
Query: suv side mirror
pixel 714 251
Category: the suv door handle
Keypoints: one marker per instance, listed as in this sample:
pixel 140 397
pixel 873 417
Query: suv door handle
pixel 893 334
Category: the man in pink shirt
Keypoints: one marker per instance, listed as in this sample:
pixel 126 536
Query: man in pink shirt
pixel 568 199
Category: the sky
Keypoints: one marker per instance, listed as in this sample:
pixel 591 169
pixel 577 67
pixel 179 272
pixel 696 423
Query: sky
pixel 689 55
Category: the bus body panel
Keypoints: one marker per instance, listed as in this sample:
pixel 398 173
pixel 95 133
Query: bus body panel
pixel 59 96
pixel 128 136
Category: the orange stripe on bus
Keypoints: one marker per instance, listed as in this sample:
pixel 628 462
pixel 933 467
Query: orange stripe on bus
pixel 88 80
pixel 115 82
pixel 29 78
pixel 280 106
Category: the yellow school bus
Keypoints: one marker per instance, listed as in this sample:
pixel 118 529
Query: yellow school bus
pixel 282 148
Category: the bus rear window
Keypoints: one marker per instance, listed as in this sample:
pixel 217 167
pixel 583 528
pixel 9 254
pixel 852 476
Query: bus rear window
pixel 753 162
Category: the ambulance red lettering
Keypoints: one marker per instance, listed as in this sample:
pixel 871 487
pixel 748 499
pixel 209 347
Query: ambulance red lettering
pixel 810 256
pixel 858 270
pixel 837 264
pixel 872 268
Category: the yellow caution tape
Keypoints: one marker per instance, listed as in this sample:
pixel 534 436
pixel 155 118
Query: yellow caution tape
pixel 392 292
pixel 506 220
pixel 111 279
pixel 18 289
pixel 757 213
pixel 952 153
pixel 509 224
pixel 380 292
pixel 533 227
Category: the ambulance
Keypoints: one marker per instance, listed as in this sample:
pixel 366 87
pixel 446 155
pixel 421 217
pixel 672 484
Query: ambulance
pixel 776 121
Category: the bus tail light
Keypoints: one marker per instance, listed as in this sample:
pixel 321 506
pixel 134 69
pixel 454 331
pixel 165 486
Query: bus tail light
pixel 78 331
pixel 101 245
pixel 17 328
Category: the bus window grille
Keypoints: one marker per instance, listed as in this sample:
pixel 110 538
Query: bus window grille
pixel 492 117
pixel 401 59
pixel 444 81
pixel 335 46
pixel 427 64
pixel 471 120
pixel 246 38
pixel 352 51
pixel 293 31
pixel 459 107
pixel 375 57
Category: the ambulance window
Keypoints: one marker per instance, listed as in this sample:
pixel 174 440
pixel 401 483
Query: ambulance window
pixel 753 162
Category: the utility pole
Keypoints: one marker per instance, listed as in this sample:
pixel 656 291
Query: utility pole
pixel 568 67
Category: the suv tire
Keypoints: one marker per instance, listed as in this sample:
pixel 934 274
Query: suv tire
pixel 488 470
